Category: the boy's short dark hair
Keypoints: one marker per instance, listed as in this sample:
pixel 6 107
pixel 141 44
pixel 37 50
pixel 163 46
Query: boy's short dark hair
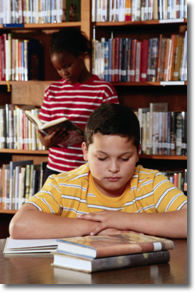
pixel 113 119
pixel 71 40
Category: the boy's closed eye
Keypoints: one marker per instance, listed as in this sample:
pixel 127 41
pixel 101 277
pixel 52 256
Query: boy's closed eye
pixel 122 158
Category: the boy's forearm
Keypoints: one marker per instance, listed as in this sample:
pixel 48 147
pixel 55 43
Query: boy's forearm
pixel 170 224
pixel 37 224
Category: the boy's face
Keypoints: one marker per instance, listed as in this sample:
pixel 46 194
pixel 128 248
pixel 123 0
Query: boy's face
pixel 68 66
pixel 112 161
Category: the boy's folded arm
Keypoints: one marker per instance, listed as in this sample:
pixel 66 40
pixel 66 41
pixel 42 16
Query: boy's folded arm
pixel 170 224
pixel 29 223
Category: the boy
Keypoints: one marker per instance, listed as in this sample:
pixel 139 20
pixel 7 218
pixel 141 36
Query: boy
pixel 109 194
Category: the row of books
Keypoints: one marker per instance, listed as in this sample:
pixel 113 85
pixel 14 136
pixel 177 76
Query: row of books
pixel 138 10
pixel 16 131
pixel 162 132
pixel 133 60
pixel 19 180
pixel 20 59
pixel 178 178
pixel 38 11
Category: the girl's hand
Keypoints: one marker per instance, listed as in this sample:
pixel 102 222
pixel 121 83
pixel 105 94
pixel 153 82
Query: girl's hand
pixel 54 138
pixel 109 220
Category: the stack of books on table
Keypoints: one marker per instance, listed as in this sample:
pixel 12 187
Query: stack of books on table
pixel 97 253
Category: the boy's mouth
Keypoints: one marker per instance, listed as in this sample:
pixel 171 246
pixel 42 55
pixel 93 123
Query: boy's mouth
pixel 113 179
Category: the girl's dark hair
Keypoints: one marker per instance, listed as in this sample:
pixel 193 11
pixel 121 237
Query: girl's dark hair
pixel 70 40
pixel 113 119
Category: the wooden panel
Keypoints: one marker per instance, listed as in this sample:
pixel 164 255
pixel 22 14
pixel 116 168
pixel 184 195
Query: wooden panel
pixel 36 158
pixel 141 96
pixel 29 93
pixel 86 24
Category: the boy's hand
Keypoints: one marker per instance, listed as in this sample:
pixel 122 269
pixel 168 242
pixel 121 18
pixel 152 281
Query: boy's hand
pixel 112 231
pixel 109 220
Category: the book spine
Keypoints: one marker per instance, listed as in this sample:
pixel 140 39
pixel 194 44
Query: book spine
pixel 149 59
pixel 184 134
pixel 128 10
pixel 133 59
pixel 138 62
pixel 144 60
pixel 124 60
pixel 179 123
pixel 116 60
pixel 106 53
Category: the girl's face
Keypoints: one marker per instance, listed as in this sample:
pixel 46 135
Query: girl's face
pixel 69 67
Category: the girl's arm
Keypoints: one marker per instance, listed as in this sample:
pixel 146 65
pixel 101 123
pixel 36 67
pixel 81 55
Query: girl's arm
pixel 29 222
pixel 170 224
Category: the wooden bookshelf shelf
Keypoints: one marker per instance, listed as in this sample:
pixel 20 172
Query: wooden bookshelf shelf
pixel 164 157
pixel 147 83
pixel 42 25
pixel 146 22
pixel 150 83
pixel 7 211
pixel 22 151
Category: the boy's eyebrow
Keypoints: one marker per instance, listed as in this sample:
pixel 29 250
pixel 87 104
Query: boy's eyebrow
pixel 102 152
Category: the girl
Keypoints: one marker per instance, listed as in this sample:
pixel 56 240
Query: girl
pixel 75 96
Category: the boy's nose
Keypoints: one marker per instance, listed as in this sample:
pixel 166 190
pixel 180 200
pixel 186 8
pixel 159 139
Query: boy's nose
pixel 113 167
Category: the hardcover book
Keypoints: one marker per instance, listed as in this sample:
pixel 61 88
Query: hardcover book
pixel 88 265
pixel 112 245
pixel 74 133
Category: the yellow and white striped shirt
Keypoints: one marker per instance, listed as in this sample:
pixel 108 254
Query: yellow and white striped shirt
pixel 71 193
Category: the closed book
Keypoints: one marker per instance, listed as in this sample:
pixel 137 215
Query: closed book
pixel 116 59
pixel 138 62
pixel 162 59
pixel 124 60
pixel 177 58
pixel 106 52
pixel 112 245
pixel 88 265
pixel 154 59
pixel 179 126
pixel 142 120
pixel 2 128
pixel 128 10
pixel 167 59
pixel 173 133
pixel 159 58
pixel 149 59
pixel 144 60
pixel 183 68
pixel 133 60
pixel 184 134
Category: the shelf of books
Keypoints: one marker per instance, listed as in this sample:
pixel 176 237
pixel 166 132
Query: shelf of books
pixel 141 49
pixel 26 71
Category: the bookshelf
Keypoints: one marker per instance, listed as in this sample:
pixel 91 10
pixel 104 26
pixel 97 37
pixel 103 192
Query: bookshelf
pixel 132 94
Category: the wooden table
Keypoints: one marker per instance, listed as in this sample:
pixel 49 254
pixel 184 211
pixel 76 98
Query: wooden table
pixel 37 269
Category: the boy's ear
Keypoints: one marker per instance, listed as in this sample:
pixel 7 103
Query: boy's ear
pixel 138 152
pixel 85 151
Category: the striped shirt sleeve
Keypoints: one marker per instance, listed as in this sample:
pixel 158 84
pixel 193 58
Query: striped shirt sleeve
pixel 166 196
